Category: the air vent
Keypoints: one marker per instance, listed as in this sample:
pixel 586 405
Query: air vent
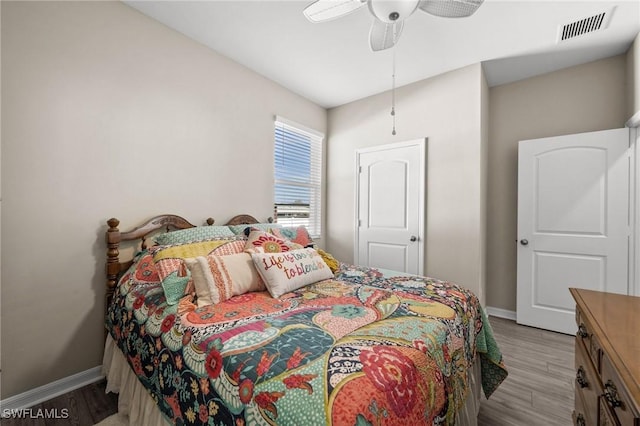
pixel 584 26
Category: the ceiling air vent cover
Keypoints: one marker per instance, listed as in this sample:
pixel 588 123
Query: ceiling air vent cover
pixel 584 26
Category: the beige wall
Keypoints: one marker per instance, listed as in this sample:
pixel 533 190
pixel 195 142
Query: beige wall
pixel 484 171
pixel 580 99
pixel 109 113
pixel 447 110
pixel 0 207
pixel 633 78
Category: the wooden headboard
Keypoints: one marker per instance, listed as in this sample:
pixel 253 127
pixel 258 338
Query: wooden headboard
pixel 114 237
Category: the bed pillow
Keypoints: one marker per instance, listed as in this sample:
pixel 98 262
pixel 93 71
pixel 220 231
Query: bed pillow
pixel 328 258
pixel 170 259
pixel 175 286
pixel 265 242
pixel 290 270
pixel 189 235
pixel 296 234
pixel 218 278
pixel 239 229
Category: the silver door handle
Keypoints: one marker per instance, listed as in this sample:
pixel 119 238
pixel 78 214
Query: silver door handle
pixel 413 238
pixel 524 242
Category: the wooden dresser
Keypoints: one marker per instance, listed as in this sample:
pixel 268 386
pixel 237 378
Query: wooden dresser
pixel 607 385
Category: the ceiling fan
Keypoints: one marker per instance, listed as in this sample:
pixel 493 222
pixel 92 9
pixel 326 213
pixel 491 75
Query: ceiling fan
pixel 389 15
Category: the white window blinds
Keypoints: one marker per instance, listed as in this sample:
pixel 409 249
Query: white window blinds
pixel 297 176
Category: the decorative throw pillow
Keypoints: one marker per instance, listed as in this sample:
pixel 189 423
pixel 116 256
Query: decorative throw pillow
pixel 169 259
pixel 174 286
pixel 296 234
pixel 190 235
pixel 328 258
pixel 239 229
pixel 290 270
pixel 217 278
pixel 264 242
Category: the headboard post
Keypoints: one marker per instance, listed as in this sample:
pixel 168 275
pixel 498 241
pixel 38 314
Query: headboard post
pixel 112 267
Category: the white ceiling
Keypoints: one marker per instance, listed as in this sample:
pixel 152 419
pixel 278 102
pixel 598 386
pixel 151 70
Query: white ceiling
pixel 331 64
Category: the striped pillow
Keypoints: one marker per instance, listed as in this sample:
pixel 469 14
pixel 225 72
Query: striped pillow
pixel 218 278
pixel 170 259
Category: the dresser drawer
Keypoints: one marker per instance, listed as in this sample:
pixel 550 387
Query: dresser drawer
pixel 587 383
pixel 615 395
pixel 606 347
pixel 581 416
pixel 590 341
pixel 605 416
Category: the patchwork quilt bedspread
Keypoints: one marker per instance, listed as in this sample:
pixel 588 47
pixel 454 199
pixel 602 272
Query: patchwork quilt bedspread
pixel 369 347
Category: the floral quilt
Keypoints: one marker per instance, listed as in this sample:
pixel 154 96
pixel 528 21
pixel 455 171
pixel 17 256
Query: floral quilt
pixel 368 347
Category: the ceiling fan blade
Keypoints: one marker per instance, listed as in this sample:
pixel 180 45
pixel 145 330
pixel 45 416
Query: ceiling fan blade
pixel 325 10
pixel 383 36
pixel 450 8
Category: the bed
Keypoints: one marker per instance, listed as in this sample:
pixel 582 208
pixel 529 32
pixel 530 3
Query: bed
pixel 362 346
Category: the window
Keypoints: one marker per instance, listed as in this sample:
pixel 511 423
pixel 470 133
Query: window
pixel 297 173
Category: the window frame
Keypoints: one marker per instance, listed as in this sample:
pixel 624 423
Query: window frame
pixel 314 223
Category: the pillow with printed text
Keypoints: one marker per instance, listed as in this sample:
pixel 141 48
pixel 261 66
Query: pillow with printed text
pixel 290 270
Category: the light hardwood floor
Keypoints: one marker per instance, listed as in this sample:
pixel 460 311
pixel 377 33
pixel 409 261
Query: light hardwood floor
pixel 538 390
pixel 86 406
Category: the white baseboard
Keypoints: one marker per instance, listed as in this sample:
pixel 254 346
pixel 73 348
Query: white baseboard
pixel 501 313
pixel 51 390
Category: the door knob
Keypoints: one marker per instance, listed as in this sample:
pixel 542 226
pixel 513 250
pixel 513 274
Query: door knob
pixel 413 238
pixel 524 242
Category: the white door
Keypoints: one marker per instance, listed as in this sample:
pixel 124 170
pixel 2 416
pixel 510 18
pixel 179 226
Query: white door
pixel 390 196
pixel 574 225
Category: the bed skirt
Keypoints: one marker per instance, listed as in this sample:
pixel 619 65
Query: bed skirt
pixel 136 404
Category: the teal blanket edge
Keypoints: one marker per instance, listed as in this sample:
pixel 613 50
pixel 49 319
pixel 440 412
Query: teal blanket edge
pixel 491 364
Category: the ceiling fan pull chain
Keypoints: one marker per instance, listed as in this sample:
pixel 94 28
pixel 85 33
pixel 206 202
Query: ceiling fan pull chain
pixel 393 82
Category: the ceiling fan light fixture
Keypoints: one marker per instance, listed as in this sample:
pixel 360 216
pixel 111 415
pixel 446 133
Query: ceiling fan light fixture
pixel 390 11
pixel 451 8
pixel 389 15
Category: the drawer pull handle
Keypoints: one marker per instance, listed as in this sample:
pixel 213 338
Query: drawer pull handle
pixel 582 331
pixel 580 420
pixel 581 377
pixel 611 394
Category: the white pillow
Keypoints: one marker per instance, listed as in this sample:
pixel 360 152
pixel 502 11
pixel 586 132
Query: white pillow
pixel 288 271
pixel 218 278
